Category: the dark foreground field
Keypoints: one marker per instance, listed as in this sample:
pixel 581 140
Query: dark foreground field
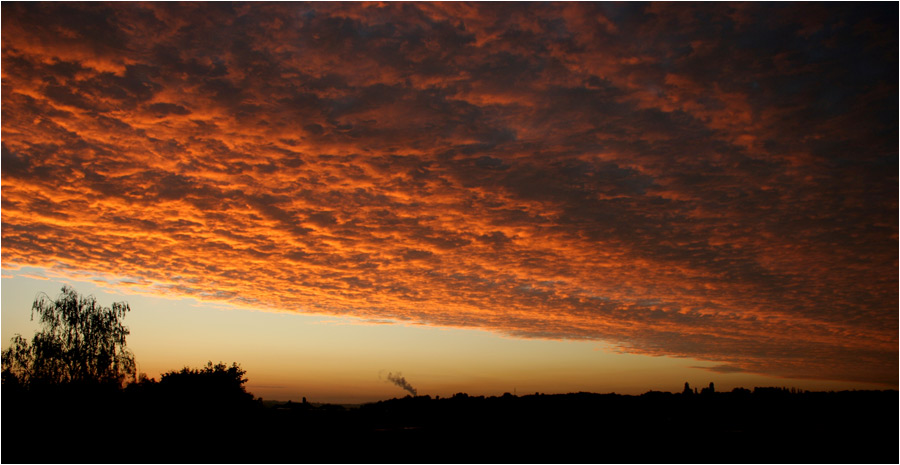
pixel 760 426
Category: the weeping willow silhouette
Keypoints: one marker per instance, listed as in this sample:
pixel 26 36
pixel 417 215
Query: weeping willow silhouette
pixel 80 342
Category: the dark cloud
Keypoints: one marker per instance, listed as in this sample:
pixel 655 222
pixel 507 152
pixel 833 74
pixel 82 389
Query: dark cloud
pixel 723 188
pixel 163 109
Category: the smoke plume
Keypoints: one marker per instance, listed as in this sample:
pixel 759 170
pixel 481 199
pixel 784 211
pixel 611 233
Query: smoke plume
pixel 401 381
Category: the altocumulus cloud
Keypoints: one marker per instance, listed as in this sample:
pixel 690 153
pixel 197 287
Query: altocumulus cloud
pixel 714 181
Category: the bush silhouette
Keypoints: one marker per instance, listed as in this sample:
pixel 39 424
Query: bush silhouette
pixel 80 343
pixel 210 383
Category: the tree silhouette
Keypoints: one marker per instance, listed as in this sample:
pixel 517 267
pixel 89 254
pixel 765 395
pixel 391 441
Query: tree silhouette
pixel 81 342
pixel 191 395
pixel 213 383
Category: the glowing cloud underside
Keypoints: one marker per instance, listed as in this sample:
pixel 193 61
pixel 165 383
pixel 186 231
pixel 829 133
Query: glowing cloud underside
pixel 717 182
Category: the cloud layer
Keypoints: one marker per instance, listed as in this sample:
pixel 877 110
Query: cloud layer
pixel 715 181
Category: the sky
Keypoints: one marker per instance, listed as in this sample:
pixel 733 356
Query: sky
pixel 484 197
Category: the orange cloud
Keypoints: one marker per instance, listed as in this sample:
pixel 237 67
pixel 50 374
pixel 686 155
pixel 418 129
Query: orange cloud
pixel 679 181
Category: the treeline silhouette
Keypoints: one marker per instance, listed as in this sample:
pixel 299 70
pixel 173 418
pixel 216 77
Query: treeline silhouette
pixel 189 418
pixel 66 399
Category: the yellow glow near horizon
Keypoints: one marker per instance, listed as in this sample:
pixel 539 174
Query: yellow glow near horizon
pixel 344 360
